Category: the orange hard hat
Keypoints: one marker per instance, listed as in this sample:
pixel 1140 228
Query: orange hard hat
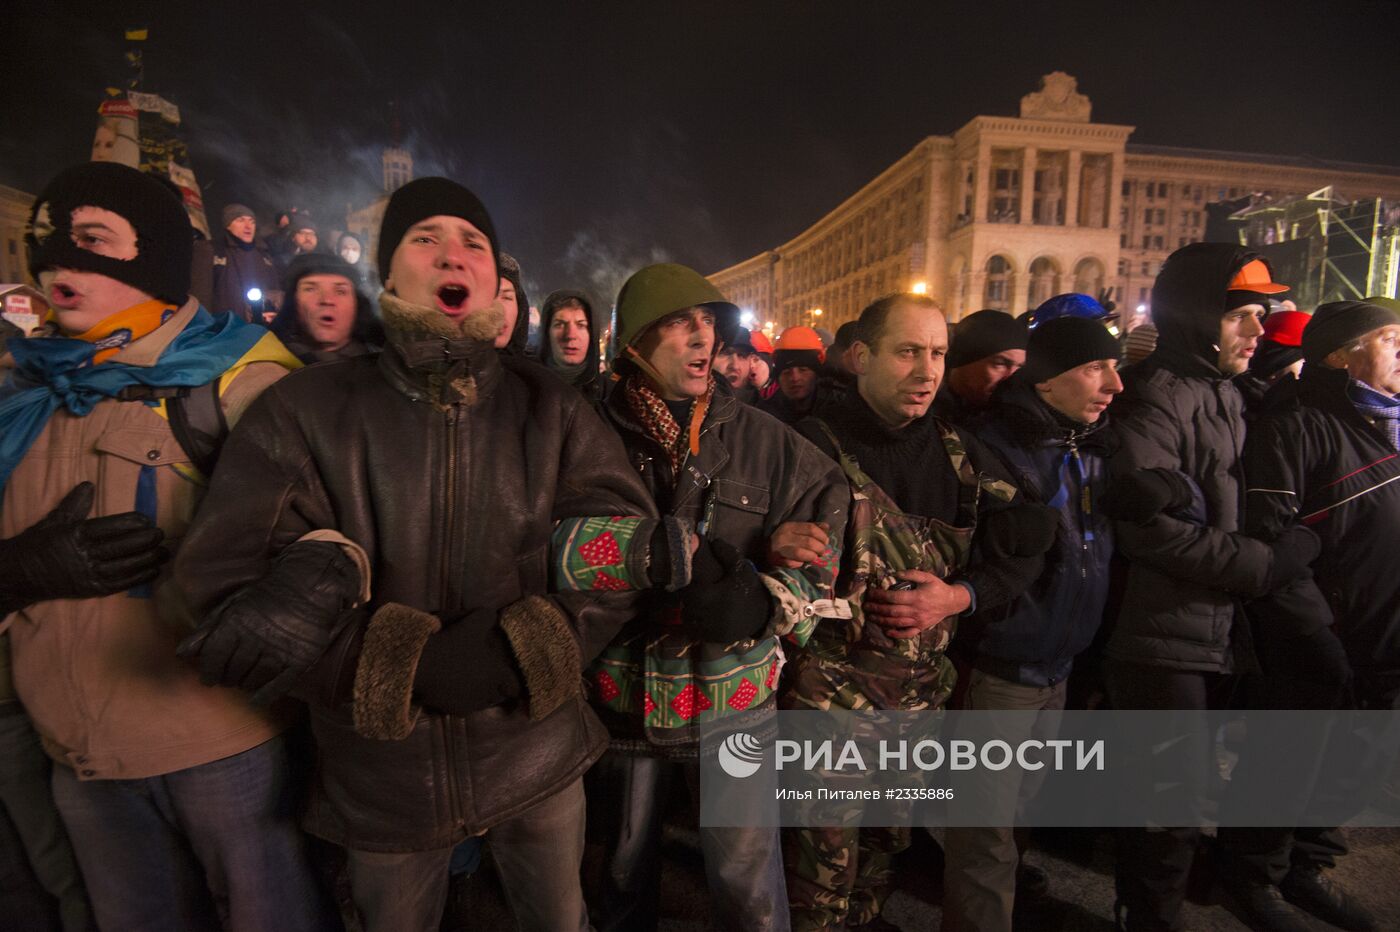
pixel 761 343
pixel 801 338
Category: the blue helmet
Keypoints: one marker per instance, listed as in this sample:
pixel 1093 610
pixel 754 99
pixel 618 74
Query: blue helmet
pixel 1069 305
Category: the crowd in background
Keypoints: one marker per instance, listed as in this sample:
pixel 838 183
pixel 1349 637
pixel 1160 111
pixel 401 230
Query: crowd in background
pixel 313 582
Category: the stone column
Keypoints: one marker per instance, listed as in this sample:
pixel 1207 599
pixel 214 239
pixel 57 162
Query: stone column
pixel 1072 189
pixel 1020 287
pixel 1115 191
pixel 984 180
pixel 1028 159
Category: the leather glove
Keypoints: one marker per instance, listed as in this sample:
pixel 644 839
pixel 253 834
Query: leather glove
pixel 1293 552
pixel 1024 530
pixel 67 555
pixel 1142 495
pixel 468 666
pixel 725 601
pixel 264 637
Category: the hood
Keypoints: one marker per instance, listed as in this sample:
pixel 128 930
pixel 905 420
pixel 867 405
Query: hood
pixel 521 332
pixel 1189 298
pixel 1034 423
pixel 551 304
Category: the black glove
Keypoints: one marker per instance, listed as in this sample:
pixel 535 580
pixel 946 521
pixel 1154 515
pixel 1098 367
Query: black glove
pixel 725 601
pixel 1140 496
pixel 268 634
pixel 468 666
pixel 67 555
pixel 1293 552
pixel 1024 530
pixel 669 550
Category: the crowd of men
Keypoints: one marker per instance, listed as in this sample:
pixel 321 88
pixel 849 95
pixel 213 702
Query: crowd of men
pixel 320 606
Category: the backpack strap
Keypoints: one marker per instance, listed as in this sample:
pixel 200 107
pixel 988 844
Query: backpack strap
pixel 196 418
pixel 198 423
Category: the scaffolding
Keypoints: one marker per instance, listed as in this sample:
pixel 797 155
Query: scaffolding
pixel 1326 248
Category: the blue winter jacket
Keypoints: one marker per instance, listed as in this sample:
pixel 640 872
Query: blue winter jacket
pixel 1035 642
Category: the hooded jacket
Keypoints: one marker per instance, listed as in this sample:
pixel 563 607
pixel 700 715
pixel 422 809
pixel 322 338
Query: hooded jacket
pixel 589 381
pixel 1313 458
pixel 1178 411
pixel 448 463
pixel 520 333
pixel 1064 466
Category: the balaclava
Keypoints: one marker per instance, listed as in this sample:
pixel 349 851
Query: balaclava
pixel 164 237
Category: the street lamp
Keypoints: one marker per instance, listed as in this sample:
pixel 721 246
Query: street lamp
pixel 920 288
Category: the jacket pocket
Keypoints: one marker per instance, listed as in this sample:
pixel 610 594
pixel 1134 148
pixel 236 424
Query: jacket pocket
pixel 737 513
pixel 136 473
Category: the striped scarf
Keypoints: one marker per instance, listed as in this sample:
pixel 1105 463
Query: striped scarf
pixel 1381 409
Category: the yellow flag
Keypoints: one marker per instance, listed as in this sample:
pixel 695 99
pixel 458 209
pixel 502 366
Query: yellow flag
pixel 136 35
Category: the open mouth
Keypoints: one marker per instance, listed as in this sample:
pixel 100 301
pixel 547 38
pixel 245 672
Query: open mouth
pixel 63 295
pixel 452 297
pixel 698 367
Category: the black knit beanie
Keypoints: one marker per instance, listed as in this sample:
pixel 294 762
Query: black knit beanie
pixel 984 333
pixel 430 197
pixel 1339 323
pixel 164 237
pixel 1065 343
pixel 317 263
pixel 788 358
pixel 233 211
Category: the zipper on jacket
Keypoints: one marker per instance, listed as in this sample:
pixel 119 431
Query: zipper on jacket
pixel 450 595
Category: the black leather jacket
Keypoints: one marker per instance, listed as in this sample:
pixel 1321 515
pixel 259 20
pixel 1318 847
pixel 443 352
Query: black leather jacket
pixel 449 465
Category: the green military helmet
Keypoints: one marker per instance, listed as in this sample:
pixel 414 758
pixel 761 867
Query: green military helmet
pixel 657 290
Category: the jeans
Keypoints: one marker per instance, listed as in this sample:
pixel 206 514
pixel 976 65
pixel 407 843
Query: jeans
pixel 980 871
pixel 26 800
pixel 538 855
pixel 209 847
pixel 743 866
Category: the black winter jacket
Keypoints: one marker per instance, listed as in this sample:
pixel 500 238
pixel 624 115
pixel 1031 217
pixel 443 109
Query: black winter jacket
pixel 239 266
pixel 1178 411
pixel 1313 458
pixel 1066 468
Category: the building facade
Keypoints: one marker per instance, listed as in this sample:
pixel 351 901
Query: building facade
pixel 14 215
pixel 1009 211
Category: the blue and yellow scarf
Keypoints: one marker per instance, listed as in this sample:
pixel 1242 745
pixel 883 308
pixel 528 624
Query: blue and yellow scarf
pixel 60 372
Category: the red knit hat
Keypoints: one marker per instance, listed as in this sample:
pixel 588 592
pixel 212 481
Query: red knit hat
pixel 1286 327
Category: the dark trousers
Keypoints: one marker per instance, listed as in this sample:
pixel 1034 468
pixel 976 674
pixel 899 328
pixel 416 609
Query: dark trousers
pixel 627 802
pixel 1306 672
pixel 1154 865
pixel 32 836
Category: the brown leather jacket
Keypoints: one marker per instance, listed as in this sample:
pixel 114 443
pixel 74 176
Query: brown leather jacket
pixel 449 465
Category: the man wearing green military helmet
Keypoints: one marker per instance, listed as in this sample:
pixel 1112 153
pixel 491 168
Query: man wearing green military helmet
pixel 769 511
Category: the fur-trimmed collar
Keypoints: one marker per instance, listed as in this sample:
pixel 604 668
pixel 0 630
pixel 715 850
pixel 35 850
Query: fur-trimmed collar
pixel 430 358
pixel 407 322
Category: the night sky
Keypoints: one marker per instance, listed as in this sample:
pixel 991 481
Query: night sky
pixel 604 135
